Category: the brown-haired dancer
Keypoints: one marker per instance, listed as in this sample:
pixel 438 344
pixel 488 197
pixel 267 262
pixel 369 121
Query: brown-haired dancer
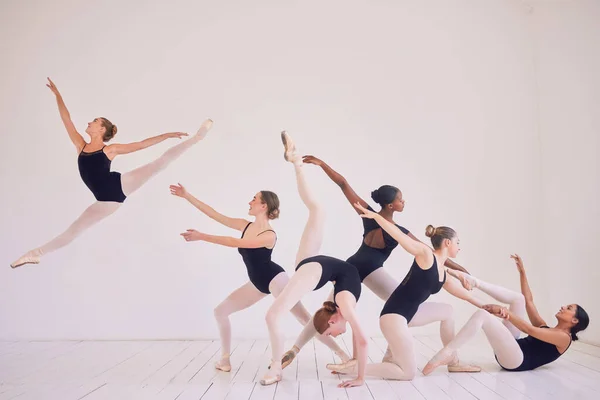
pixel 376 247
pixel 312 272
pixel 110 188
pixel 407 306
pixel 255 246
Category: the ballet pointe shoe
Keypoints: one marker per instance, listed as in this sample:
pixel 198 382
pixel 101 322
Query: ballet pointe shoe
pixel 457 366
pixel 348 367
pixel 31 257
pixel 204 128
pixel 288 357
pixel 289 153
pixel 224 364
pixel 273 376
pixel 443 357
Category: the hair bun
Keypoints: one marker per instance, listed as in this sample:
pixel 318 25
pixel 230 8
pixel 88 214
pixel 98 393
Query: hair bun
pixel 329 306
pixel 114 129
pixel 430 231
pixel 375 196
pixel 274 214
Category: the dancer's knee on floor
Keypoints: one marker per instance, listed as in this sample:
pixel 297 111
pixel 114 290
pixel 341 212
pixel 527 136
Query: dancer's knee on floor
pixel 406 373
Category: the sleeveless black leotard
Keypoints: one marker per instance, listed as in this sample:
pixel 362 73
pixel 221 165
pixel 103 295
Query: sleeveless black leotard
pixel 416 287
pixel 261 270
pixel 535 353
pixel 341 272
pixel 367 259
pixel 94 169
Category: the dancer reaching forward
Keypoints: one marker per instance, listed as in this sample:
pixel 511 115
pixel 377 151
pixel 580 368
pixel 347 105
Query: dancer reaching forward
pixel 407 307
pixel 376 247
pixel 109 188
pixel 542 345
pixel 255 246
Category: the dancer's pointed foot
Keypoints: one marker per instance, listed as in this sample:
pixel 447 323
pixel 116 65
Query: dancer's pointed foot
pixel 289 356
pixel 289 153
pixel 31 257
pixel 204 128
pixel 443 357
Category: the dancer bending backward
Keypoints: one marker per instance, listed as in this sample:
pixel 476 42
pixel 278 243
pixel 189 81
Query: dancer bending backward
pixel 406 307
pixel 109 188
pixel 542 345
pixel 255 246
pixel 312 272
pixel 376 247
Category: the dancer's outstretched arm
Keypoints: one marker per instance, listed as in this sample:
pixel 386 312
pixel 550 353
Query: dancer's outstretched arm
pixel 355 198
pixel 338 180
pixel 113 150
pixel 414 247
pixel 347 303
pixel 532 312
pixel 452 286
pixel 265 240
pixel 467 284
pixel 555 337
pixel 233 223
pixel 75 136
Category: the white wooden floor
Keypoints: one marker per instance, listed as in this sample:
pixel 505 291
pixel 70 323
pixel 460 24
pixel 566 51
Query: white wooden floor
pixel 183 370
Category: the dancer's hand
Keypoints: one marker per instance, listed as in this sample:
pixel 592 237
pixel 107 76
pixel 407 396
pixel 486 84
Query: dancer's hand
pixel 365 212
pixel 519 262
pixel 52 87
pixel 355 382
pixel 178 190
pixel 312 160
pixel 496 310
pixel 465 281
pixel 192 235
pixel 177 135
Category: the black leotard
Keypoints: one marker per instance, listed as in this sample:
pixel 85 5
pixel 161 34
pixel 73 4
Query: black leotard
pixel 416 287
pixel 535 353
pixel 261 270
pixel 341 272
pixel 367 259
pixel 94 169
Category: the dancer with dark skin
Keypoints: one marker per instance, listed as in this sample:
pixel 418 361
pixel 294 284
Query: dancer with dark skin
pixel 376 247
pixel 407 305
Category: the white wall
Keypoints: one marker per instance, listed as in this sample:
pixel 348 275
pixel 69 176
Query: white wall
pixel 436 97
pixel 567 58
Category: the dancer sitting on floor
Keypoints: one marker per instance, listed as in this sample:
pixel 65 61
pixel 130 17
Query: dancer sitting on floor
pixel 542 345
